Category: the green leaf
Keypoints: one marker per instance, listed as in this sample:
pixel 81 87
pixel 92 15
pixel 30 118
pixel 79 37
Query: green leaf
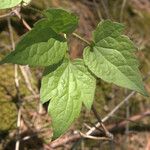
pixel 111 58
pixel 67 85
pixel 39 47
pixel 61 21
pixel 107 29
pixel 12 3
pixel 9 3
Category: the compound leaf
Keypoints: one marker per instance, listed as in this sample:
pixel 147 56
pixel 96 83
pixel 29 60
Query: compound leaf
pixel 67 85
pixel 111 57
pixel 39 47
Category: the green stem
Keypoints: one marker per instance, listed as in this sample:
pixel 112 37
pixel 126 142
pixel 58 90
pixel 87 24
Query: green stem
pixel 81 38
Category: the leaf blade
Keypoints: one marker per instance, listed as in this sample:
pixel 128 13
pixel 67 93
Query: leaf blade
pixel 86 82
pixel 112 59
pixel 39 47
pixel 9 3
pixel 64 86
pixel 65 22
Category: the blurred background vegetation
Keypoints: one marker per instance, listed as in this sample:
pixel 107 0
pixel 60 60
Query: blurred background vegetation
pixel 35 130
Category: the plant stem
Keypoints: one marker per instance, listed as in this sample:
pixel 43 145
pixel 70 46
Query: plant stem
pixel 81 38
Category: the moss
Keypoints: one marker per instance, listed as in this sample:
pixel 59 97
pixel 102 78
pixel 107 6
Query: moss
pixel 8 115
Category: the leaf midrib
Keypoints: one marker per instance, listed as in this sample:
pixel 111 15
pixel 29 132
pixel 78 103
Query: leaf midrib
pixel 68 95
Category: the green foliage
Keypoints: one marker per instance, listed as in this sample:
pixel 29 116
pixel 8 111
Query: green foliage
pixel 11 3
pixel 111 57
pixel 68 84
pixel 61 21
pixel 39 47
pixel 43 45
pixel 8 115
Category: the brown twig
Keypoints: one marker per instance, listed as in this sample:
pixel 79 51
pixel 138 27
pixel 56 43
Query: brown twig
pixel 107 133
pixel 115 109
pixel 23 21
pixel 17 86
pixel 25 75
pixel 105 8
pixel 98 10
pixel 27 79
pixel 9 14
pixel 93 137
pixel 127 125
pixel 111 113
pixel 122 10
pixel 25 68
pixel 71 138
pixel 132 119
pixel 65 140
